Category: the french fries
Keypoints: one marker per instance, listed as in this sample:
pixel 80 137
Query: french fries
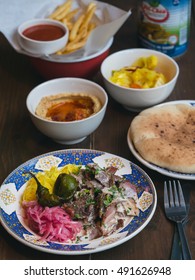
pixel 79 23
pixel 61 9
pixel 75 29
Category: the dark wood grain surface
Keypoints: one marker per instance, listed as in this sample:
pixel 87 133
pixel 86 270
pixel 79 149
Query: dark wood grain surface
pixel 21 141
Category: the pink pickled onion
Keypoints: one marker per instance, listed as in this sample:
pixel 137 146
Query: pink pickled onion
pixel 51 223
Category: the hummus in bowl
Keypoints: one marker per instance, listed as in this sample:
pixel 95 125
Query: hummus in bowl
pixel 65 107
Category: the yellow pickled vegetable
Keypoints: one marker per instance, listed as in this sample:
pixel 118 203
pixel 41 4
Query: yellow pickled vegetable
pixel 141 74
pixel 47 179
pixel 70 168
pixel 149 62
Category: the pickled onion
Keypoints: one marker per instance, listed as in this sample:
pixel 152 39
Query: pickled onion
pixel 52 224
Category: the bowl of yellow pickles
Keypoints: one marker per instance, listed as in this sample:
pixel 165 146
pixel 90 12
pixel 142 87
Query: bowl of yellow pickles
pixel 139 78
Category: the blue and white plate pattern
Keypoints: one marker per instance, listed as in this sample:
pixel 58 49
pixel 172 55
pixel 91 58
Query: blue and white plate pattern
pixel 164 171
pixel 14 185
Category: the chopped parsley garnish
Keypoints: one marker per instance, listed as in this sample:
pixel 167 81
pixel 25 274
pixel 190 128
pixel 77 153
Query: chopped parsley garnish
pixel 109 198
pixel 90 201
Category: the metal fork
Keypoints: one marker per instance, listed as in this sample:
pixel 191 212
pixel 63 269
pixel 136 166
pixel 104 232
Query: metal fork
pixel 176 252
pixel 175 209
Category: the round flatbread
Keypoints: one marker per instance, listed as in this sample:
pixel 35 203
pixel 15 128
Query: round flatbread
pixel 165 136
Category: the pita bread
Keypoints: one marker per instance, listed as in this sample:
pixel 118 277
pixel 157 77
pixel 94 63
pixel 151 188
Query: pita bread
pixel 165 136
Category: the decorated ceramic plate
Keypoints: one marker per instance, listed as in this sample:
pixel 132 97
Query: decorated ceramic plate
pixel 164 171
pixel 13 187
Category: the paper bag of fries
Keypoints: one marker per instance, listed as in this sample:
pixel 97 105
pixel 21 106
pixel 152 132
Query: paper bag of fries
pixel 91 23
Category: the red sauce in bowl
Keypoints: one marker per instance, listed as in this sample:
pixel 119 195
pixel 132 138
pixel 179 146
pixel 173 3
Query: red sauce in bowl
pixel 78 109
pixel 44 32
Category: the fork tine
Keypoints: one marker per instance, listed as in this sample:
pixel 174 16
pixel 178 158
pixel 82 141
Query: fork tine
pixel 166 200
pixel 171 195
pixel 176 193
pixel 181 197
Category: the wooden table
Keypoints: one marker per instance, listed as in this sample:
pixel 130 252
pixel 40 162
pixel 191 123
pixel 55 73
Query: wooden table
pixel 21 141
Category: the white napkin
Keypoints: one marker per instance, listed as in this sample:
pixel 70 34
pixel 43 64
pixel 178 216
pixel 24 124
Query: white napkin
pixel 15 12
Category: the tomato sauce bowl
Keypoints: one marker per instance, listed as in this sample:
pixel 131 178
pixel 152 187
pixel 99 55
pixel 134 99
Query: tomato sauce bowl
pixel 42 36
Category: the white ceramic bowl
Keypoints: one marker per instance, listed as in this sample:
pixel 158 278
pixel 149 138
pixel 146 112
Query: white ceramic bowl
pixel 138 99
pixel 67 132
pixel 46 46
